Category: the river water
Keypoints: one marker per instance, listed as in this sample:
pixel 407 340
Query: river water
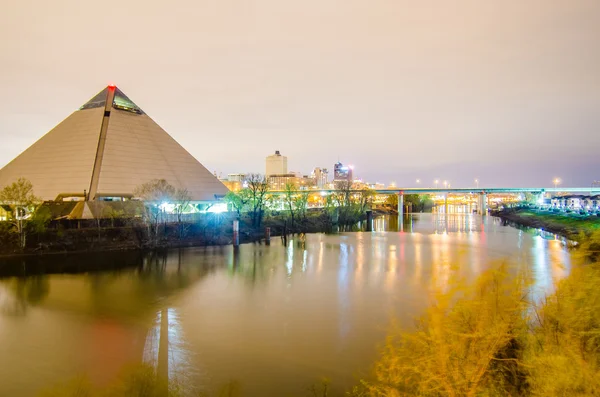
pixel 270 319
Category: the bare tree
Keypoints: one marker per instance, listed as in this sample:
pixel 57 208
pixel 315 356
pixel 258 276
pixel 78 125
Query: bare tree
pixel 22 202
pixel 155 194
pixel 343 199
pixel 182 200
pixel 289 199
pixel 258 188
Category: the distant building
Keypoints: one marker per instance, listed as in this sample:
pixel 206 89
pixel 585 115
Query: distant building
pixel 235 182
pixel 342 172
pixel 236 177
pixel 279 181
pixel 320 177
pixel 276 164
pixel 359 184
pixel 234 186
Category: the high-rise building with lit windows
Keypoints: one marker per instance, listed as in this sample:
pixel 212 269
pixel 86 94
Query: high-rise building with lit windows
pixel 320 177
pixel 276 164
pixel 342 172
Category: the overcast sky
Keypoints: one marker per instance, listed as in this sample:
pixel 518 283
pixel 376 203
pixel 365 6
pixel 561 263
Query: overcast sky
pixel 506 91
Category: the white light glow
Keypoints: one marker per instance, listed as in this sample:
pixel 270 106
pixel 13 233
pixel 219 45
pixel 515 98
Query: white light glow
pixel 218 208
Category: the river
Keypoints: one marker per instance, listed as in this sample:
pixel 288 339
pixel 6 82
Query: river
pixel 270 319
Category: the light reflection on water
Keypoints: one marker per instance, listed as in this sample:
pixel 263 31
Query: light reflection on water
pixel 272 318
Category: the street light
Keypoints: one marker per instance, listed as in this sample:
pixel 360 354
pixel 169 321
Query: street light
pixel 477 183
pixel 418 181
pixel 445 184
pixel 556 182
pixel 436 183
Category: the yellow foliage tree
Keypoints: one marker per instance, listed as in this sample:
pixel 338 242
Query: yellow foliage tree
pixel 466 344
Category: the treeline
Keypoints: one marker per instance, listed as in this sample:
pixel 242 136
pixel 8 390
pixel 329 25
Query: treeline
pixel 344 206
pixel 164 217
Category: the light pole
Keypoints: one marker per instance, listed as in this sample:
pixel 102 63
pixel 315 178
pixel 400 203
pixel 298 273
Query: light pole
pixel 436 183
pixel 418 181
pixel 477 183
pixel 445 184
pixel 556 182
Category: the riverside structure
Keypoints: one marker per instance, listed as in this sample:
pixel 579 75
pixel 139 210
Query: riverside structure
pixel 103 151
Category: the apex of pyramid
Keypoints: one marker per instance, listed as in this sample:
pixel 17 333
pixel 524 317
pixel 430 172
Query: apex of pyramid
pixel 120 101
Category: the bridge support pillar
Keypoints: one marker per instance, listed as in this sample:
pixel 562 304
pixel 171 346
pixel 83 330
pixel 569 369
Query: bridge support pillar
pixel 446 203
pixel 482 204
pixel 400 203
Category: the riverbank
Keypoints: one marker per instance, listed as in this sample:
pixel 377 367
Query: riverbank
pixel 566 225
pixel 133 235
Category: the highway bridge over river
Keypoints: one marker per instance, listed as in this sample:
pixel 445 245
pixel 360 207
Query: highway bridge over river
pixel 483 192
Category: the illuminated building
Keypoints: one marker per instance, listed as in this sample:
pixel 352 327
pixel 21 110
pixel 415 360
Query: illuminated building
pixel 342 172
pixel 103 151
pixel 234 186
pixel 279 181
pixel 320 176
pixel 276 164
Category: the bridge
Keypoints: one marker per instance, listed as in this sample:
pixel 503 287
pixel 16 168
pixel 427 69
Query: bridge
pixel 481 191
pixel 491 190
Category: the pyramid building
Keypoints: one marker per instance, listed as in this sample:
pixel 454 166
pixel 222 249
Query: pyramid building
pixel 106 149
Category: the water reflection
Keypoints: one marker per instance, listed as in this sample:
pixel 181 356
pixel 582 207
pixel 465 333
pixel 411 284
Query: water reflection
pixel 275 317
pixel 21 293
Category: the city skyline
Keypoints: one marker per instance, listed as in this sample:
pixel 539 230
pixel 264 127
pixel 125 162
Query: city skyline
pixel 503 93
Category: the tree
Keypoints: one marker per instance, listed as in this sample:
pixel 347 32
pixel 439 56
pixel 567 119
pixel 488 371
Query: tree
pixel 238 200
pixel 181 200
pixel 366 199
pixel 22 202
pixel 301 203
pixel 392 200
pixel 343 200
pixel 564 348
pixel 417 202
pixel 470 343
pixel 156 194
pixel 414 202
pixel 289 199
pixel 258 188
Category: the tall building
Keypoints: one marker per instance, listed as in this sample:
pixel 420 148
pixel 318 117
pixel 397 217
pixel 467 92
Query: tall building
pixel 342 172
pixel 105 150
pixel 320 176
pixel 276 164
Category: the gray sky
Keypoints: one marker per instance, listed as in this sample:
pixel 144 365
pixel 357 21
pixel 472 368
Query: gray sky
pixel 506 91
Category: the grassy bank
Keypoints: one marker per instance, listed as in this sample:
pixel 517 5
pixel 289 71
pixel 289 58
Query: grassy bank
pixel 566 225
pixel 499 337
